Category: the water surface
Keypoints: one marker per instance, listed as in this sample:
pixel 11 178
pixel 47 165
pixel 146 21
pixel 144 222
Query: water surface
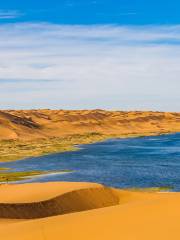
pixel 125 163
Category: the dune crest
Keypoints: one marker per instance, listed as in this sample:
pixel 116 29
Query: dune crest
pixel 115 214
pixel 34 124
pixel 30 133
pixel 86 197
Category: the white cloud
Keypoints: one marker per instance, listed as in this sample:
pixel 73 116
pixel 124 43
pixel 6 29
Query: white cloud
pixel 89 66
pixel 9 14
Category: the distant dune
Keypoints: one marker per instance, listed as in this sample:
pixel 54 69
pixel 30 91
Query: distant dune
pixel 26 133
pixel 90 211
pixel 33 124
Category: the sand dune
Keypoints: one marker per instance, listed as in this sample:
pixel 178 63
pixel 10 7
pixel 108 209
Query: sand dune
pixel 75 198
pixel 30 133
pixel 33 124
pixel 138 215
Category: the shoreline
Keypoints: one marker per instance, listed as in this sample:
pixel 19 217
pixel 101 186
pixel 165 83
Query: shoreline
pixel 32 133
pixel 10 175
pixel 43 147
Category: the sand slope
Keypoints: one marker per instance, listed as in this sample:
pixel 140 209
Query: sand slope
pixel 30 133
pixel 63 198
pixel 33 124
pixel 139 215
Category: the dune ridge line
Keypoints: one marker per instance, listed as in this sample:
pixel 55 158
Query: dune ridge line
pixel 73 201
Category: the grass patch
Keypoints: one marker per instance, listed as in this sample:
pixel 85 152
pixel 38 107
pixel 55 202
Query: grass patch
pixel 6 177
pixel 152 189
pixel 4 169
pixel 11 150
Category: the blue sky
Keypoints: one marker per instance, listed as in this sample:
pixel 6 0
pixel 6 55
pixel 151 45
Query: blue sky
pixel 77 54
pixel 94 11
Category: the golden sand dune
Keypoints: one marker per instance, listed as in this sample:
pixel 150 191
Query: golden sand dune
pixel 138 215
pixel 61 199
pixel 27 133
pixel 33 124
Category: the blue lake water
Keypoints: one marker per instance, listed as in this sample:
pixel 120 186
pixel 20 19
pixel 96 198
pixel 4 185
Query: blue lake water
pixel 124 163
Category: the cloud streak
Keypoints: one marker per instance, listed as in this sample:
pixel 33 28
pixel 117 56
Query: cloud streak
pixel 9 14
pixel 115 67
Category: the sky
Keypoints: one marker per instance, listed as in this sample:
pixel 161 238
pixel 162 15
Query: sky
pixel 89 54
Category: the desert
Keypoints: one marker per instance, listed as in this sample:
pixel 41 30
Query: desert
pixel 91 211
pixel 89 120
pixel 25 133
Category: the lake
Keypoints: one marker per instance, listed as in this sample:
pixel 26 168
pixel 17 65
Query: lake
pixel 124 163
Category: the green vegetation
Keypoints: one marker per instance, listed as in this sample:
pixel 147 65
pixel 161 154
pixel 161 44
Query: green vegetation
pixel 152 189
pixel 11 150
pixel 4 169
pixel 16 150
pixel 6 177
pixel 17 176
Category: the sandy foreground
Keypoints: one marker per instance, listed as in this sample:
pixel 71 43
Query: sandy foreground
pixel 86 211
